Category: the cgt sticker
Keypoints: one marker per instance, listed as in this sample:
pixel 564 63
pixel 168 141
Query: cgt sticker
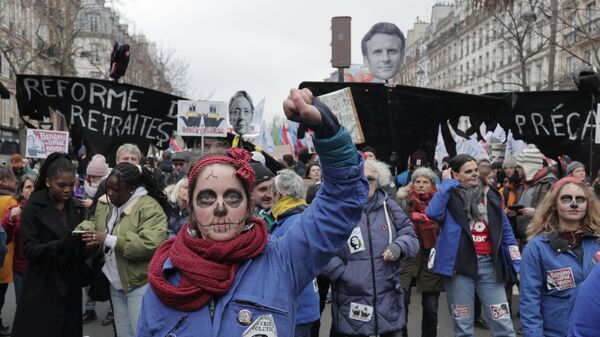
pixel 499 311
pixel 560 279
pixel 461 312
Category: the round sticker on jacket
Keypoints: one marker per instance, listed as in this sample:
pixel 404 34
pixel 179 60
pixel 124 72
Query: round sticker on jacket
pixel 479 226
pixel 245 316
pixel 597 257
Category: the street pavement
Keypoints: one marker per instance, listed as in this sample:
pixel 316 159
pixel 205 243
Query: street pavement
pixel 95 329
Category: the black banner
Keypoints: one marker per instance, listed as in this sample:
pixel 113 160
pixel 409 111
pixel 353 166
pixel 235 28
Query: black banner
pixel 101 114
pixel 403 119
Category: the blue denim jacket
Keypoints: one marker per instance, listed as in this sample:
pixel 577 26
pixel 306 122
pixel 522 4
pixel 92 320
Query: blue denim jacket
pixel 270 283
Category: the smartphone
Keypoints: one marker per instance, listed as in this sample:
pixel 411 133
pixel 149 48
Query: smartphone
pixel 77 232
pixel 515 208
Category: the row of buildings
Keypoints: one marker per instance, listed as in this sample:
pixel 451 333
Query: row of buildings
pixel 530 45
pixel 66 38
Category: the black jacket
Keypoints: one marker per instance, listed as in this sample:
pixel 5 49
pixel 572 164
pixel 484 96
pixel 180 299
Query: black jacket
pixel 50 303
pixel 466 258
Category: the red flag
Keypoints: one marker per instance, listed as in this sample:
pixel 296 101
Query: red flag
pixel 286 140
pixel 174 145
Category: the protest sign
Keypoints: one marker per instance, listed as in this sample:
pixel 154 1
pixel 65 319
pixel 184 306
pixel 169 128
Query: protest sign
pixel 201 119
pixel 342 105
pixel 102 114
pixel 41 143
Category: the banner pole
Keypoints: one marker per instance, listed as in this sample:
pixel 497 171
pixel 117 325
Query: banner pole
pixel 202 146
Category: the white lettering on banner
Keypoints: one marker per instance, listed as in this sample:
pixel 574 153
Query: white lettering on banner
pixel 560 279
pixel 538 124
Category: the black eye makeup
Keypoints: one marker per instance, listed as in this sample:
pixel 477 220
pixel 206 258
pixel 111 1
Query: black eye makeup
pixel 233 198
pixel 205 198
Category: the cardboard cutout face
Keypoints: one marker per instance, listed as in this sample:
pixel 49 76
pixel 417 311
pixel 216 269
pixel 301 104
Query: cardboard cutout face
pixel 383 50
pixel 241 112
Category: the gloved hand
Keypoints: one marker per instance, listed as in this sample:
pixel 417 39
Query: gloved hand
pixel 302 107
pixel 70 243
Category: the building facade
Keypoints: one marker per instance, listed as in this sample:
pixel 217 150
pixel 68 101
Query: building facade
pixel 474 50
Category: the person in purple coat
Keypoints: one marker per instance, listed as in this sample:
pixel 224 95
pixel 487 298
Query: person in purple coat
pixel 367 295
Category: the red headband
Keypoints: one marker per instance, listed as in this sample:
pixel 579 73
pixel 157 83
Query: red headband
pixel 240 159
pixel 564 181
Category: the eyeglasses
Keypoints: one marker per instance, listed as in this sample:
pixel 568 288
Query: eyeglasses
pixel 371 179
pixel 569 199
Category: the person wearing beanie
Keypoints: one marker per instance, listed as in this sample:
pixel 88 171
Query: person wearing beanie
pixel 18 167
pixel 576 169
pixel 96 172
pixel 537 181
pixel 262 194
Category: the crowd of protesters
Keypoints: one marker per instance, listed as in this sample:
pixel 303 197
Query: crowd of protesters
pixel 223 245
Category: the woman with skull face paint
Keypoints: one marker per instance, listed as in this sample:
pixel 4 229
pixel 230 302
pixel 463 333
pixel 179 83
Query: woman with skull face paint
pixel 130 223
pixel 562 251
pixel 476 250
pixel 221 276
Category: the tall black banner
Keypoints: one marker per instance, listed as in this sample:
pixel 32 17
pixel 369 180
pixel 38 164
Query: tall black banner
pixel 102 114
pixel 403 118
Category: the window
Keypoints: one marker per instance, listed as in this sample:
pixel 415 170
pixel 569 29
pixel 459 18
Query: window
pixel 5 68
pixel 589 57
pixel 591 11
pixel 571 63
pixel 6 112
pixel 18 17
pixel 94 22
pixel 95 57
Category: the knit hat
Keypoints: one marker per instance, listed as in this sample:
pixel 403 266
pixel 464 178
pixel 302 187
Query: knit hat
pixel 97 166
pixel 16 160
pixel 564 181
pixel 531 160
pixel 572 166
pixel 238 158
pixel 509 161
pixel 418 158
pixel 261 172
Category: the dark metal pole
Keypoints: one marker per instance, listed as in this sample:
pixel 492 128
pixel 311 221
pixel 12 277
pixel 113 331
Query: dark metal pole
pixel 340 74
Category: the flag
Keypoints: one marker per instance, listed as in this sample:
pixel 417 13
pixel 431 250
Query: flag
pixel 258 112
pixel 173 145
pixel 265 139
pixel 440 148
pixel 275 134
pixel 286 139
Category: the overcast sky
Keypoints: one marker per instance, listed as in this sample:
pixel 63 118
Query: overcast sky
pixel 264 47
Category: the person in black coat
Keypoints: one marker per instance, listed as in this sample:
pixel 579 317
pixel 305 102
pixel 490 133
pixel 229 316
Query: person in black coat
pixel 50 301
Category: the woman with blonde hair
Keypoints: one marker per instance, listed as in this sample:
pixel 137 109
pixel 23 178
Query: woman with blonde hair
pixel 562 249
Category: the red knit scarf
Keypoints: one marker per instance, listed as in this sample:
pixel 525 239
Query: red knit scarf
pixel 207 267
pixel 424 227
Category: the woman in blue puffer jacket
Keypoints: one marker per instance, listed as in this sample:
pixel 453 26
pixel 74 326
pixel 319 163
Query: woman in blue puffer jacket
pixel 367 296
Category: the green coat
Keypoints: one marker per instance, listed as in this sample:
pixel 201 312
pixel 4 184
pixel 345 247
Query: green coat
pixel 140 231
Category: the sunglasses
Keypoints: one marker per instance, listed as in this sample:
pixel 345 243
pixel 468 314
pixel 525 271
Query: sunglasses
pixel 371 179
pixel 569 199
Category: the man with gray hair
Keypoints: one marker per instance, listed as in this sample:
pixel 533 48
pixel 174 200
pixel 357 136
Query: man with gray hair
pixel 288 194
pixel 129 153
